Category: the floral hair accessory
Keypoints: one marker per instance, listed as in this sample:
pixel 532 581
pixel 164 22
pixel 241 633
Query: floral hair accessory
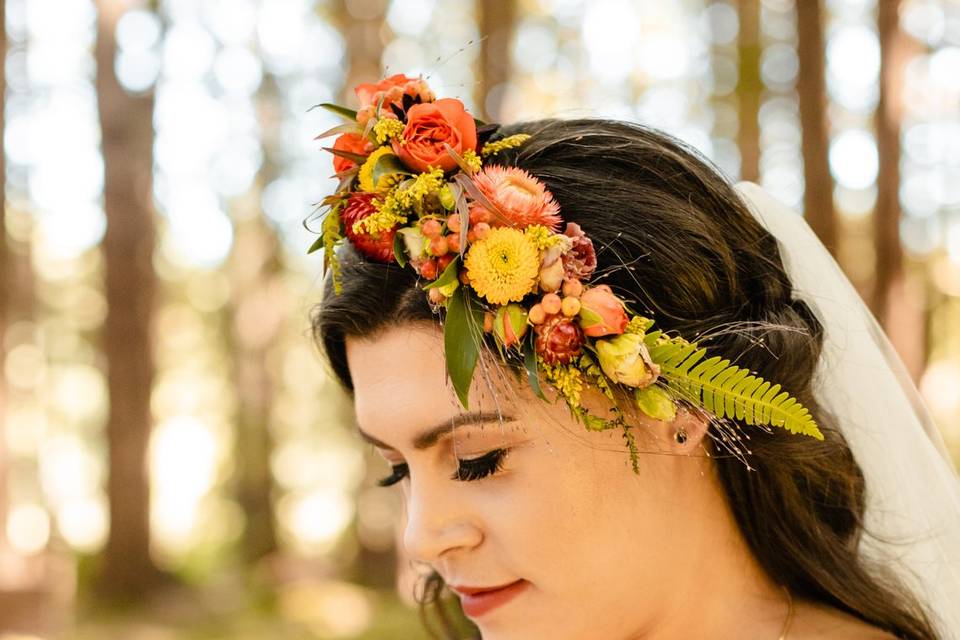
pixel 419 186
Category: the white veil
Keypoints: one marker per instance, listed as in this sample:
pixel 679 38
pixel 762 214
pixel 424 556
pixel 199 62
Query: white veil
pixel 913 491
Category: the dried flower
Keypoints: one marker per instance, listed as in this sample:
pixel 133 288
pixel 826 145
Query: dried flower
pixel 521 198
pixel 580 262
pixel 377 246
pixel 559 340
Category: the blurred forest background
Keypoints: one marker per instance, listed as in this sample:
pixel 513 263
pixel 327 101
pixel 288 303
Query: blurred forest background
pixel 174 463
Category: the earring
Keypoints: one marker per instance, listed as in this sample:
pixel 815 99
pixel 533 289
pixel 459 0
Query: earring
pixel 680 436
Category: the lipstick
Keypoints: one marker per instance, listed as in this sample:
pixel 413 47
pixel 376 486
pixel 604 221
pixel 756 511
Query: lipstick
pixel 476 602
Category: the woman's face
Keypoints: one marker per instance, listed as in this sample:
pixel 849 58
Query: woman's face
pixel 602 550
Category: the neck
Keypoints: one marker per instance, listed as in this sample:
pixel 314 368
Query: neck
pixel 721 590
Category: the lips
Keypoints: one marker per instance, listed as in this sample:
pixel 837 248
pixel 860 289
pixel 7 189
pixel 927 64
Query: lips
pixel 477 601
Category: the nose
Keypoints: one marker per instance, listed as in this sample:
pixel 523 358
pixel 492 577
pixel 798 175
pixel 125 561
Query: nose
pixel 438 520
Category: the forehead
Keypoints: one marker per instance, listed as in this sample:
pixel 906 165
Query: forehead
pixel 401 387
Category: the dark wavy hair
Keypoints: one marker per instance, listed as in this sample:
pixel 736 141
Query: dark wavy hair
pixel 676 241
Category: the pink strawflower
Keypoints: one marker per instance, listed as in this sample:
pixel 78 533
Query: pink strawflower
pixel 521 198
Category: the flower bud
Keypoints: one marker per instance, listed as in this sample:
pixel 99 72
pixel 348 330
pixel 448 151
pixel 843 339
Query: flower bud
pixel 414 241
pixel 551 277
pixel 510 324
pixel 602 312
pixel 446 197
pixel 625 360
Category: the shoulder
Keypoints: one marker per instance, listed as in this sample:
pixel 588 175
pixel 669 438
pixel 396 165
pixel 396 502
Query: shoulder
pixel 815 620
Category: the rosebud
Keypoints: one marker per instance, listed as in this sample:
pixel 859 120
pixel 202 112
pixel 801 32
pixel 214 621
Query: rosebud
pixel 559 340
pixel 510 324
pixel 625 360
pixel 551 277
pixel 601 312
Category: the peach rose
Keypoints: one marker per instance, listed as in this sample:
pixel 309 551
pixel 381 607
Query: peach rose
pixel 430 125
pixel 602 312
pixel 392 90
pixel 354 143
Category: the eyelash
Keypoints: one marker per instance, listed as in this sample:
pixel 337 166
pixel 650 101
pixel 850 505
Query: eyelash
pixel 467 470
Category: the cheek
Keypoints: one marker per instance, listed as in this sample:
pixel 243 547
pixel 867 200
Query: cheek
pixel 580 521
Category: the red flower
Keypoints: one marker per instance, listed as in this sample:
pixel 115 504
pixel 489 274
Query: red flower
pixel 559 340
pixel 580 262
pixel 354 143
pixel 377 247
pixel 431 125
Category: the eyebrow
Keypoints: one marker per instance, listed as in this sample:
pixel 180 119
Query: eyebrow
pixel 434 434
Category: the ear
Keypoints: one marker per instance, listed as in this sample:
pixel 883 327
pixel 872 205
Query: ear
pixel 692 422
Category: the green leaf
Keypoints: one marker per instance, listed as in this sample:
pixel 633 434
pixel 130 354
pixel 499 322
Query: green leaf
pixel 388 164
pixel 449 275
pixel 355 157
pixel 346 127
pixel 349 114
pixel 530 364
pixel 317 244
pixel 727 390
pixel 462 337
pixel 399 250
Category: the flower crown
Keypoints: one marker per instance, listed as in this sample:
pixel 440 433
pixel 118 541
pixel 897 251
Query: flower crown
pixel 418 187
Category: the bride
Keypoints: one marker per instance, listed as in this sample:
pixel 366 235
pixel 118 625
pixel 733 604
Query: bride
pixel 630 504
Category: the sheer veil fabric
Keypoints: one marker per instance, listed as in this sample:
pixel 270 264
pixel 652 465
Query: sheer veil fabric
pixel 913 491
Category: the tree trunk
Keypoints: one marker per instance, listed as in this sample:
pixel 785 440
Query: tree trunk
pixel 897 299
pixel 6 283
pixel 255 320
pixel 749 89
pixel 497 18
pixel 364 47
pixel 812 91
pixel 126 123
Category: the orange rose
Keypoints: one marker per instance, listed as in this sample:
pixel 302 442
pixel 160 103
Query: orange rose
pixel 602 312
pixel 354 143
pixel 428 127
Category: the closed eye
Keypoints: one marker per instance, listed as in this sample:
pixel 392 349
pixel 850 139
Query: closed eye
pixel 467 470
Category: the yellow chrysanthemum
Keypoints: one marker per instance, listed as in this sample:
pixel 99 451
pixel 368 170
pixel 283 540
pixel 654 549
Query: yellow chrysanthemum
pixel 366 171
pixel 503 267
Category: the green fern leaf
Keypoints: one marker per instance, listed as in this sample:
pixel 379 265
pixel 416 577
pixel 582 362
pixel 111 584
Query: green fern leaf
pixel 726 390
